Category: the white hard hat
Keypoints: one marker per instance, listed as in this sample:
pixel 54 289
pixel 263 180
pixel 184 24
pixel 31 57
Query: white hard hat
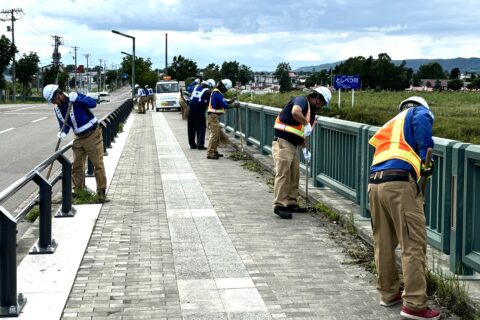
pixel 146 86
pixel 48 92
pixel 411 102
pixel 136 86
pixel 205 83
pixel 326 94
pixel 211 82
pixel 227 83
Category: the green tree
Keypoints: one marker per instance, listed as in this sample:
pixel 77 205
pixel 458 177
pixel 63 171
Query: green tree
pixel 7 51
pixel 455 73
pixel 25 69
pixel 431 70
pixel 245 74
pixel 282 74
pixel 143 70
pixel 455 84
pixel 230 70
pixel 63 79
pixel 182 68
pixel 49 75
pixel 211 71
pixel 318 78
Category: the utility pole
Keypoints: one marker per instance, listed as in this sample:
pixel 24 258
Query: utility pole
pixel 100 75
pixel 56 56
pixel 12 18
pixel 87 55
pixel 75 57
pixel 166 52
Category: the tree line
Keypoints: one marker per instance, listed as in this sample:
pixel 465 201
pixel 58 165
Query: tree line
pixel 375 74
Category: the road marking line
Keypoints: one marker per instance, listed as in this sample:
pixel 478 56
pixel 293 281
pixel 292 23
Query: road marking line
pixel 9 129
pixel 39 119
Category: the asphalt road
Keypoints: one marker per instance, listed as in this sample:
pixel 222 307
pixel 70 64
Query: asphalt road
pixel 28 135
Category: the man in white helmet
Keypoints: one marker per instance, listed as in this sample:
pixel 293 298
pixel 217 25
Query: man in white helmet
pixel 88 140
pixel 216 107
pixel 150 97
pixel 396 205
pixel 196 125
pixel 292 127
pixel 141 98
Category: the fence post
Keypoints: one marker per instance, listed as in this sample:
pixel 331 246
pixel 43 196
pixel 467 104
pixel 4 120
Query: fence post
pixel 105 137
pixel 45 242
pixel 9 305
pixel 67 210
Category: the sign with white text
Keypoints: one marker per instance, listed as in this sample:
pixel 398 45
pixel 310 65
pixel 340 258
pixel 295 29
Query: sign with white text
pixel 347 82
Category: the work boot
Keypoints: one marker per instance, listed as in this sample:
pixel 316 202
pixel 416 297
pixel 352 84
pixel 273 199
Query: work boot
pixel 296 208
pixel 102 197
pixel 218 154
pixel 282 212
pixel 212 157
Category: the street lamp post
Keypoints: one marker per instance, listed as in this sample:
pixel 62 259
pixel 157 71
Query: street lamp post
pixel 133 59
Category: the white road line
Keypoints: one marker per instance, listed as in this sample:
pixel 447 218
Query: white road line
pixel 9 129
pixel 39 119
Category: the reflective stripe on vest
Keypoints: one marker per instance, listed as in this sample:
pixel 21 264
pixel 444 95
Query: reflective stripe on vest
pixel 75 127
pixel 197 94
pixel 212 109
pixel 296 130
pixel 389 143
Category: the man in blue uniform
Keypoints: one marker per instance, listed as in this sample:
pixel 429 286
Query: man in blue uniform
pixel 88 140
pixel 396 204
pixel 196 115
pixel 216 107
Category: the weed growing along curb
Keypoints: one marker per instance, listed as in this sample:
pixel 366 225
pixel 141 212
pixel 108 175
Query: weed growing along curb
pixel 33 214
pixel 85 196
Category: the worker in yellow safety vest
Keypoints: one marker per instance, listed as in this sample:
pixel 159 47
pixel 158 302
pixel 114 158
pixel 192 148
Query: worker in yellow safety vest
pixel 396 204
pixel 292 127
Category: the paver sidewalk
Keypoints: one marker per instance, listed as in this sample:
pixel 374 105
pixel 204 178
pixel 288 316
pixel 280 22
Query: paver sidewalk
pixel 189 238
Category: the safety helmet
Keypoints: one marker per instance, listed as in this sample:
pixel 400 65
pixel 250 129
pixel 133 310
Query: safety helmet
pixel 136 86
pixel 325 93
pixel 227 83
pixel 205 83
pixel 412 102
pixel 211 82
pixel 146 86
pixel 48 92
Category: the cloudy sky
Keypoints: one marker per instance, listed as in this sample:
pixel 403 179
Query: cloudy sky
pixel 259 34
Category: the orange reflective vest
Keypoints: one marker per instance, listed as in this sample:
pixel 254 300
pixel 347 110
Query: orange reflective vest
pixel 296 130
pixel 389 143
pixel 212 109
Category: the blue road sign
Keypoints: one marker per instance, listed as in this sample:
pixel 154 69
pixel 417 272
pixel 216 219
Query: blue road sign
pixel 347 82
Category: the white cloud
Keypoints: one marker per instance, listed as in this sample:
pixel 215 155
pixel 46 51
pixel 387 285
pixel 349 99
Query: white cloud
pixel 260 34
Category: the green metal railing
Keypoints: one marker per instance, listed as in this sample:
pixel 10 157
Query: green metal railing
pixel 341 161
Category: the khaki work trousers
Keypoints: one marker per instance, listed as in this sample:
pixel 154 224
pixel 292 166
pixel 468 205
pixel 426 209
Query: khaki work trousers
pixel 287 173
pixel 89 145
pixel 217 136
pixel 141 104
pixel 398 218
pixel 150 102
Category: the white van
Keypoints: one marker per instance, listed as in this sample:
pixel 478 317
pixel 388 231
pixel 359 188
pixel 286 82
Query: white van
pixel 167 95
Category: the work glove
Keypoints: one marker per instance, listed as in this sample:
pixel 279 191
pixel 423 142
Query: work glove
pixel 61 135
pixel 307 130
pixel 427 172
pixel 307 155
pixel 72 96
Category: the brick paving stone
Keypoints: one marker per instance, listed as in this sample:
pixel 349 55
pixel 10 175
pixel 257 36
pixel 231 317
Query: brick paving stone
pixel 182 227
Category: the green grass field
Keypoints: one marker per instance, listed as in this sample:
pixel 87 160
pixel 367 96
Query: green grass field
pixel 457 114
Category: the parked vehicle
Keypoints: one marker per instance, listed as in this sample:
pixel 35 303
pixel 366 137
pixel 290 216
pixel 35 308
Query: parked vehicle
pixel 167 95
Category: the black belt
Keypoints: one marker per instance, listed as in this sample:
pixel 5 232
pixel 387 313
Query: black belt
pixel 389 175
pixel 88 130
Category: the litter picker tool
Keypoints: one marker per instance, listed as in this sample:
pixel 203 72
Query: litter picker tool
pixel 239 118
pixel 59 139
pixel 307 165
pixel 428 164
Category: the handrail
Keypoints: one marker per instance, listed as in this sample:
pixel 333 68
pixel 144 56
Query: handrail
pixel 10 303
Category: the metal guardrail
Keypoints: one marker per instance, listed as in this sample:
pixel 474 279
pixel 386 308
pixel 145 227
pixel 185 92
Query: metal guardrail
pixel 342 158
pixel 10 303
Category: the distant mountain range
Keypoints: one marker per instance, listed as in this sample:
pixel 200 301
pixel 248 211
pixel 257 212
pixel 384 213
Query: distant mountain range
pixel 464 64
